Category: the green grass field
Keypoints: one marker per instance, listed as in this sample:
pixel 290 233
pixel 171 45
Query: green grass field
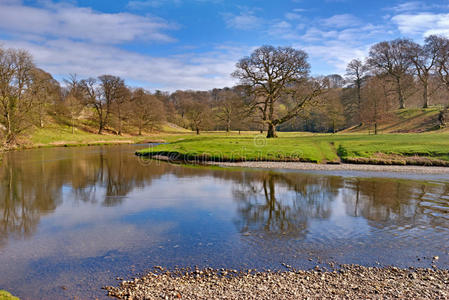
pixel 59 135
pixel 393 148
pixel 4 295
pixel 318 148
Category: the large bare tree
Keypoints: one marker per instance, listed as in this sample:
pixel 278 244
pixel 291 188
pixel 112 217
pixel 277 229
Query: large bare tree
pixel 101 95
pixel 16 103
pixel 424 59
pixel 391 58
pixel 275 75
pixel 442 64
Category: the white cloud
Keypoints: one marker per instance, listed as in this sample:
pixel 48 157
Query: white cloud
pixel 188 71
pixel 422 24
pixel 408 6
pixel 336 53
pixel 245 20
pixel 67 39
pixel 293 16
pixel 416 6
pixel 341 21
pixel 136 4
pixel 285 30
pixel 80 23
pixel 142 4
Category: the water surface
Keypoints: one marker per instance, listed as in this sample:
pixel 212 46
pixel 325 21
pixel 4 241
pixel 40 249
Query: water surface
pixel 74 219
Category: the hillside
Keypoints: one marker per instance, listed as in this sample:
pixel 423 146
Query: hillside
pixel 57 133
pixel 413 120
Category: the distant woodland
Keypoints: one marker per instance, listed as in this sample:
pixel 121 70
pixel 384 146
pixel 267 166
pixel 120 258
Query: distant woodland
pixel 275 93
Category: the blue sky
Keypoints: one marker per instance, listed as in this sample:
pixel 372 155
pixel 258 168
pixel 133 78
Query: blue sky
pixel 194 44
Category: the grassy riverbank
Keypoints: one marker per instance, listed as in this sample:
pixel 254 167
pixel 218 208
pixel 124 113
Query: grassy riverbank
pixel 55 135
pixel 420 149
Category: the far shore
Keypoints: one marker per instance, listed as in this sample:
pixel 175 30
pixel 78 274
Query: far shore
pixel 80 144
pixel 335 167
pixel 410 169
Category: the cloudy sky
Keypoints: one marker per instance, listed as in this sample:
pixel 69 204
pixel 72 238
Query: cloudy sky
pixel 194 44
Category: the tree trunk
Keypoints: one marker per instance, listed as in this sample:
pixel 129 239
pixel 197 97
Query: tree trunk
pixel 442 118
pixel 271 131
pixel 400 94
pixel 426 96
pixel 197 131
pixel 119 122
pixel 359 101
pixel 375 128
pixel 100 129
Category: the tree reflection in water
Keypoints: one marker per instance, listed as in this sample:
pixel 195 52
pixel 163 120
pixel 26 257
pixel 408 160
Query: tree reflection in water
pixel 275 204
pixel 398 203
pixel 32 182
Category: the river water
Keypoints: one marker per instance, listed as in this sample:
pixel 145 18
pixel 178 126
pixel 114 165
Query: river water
pixel 74 219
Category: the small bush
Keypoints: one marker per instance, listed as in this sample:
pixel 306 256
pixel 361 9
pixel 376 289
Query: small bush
pixel 342 152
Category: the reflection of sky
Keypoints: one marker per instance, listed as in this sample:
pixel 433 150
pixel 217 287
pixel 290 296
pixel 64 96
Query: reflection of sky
pixel 186 220
pixel 339 224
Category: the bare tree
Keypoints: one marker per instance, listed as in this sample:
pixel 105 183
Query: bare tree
pixel 111 88
pixel 16 103
pixel 357 72
pixel 229 108
pixel 424 59
pixel 147 110
pixel 376 106
pixel 122 99
pixel 92 97
pixel 44 91
pixel 391 58
pixel 101 95
pixel 442 64
pixel 73 104
pixel 276 74
pixel 198 113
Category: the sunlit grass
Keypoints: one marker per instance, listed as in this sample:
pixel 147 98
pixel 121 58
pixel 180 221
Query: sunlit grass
pixel 304 146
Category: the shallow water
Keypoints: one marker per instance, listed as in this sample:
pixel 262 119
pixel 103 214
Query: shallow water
pixel 74 219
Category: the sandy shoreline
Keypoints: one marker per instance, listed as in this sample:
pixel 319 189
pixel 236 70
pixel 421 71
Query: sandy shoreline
pixel 348 282
pixel 340 167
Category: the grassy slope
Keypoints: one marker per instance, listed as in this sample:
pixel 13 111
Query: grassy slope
pixel 55 134
pixel 405 121
pixel 4 295
pixel 306 147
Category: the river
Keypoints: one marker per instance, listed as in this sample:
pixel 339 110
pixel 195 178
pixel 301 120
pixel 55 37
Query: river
pixel 75 219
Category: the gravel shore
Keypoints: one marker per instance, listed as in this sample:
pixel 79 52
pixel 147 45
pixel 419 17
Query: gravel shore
pixel 337 167
pixel 348 282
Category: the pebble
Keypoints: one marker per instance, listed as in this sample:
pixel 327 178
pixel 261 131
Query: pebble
pixel 350 282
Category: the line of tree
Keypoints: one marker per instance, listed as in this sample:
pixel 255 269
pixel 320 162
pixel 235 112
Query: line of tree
pixel 275 92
